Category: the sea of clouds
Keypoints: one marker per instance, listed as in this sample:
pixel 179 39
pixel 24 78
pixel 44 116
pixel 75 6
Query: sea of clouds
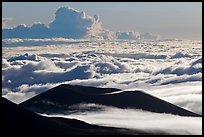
pixel 75 49
pixel 171 70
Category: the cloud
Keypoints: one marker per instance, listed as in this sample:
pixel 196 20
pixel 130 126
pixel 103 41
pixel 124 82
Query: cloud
pixel 133 35
pixel 14 42
pixel 180 55
pixel 22 31
pixel 112 64
pixel 182 79
pixel 5 22
pixel 148 35
pixel 43 72
pixel 17 97
pixel 68 23
pixel 192 102
pixel 197 61
pixel 26 56
pixel 188 97
pixel 180 68
pixel 137 119
pixel 111 67
pixel 137 56
pixel 128 35
pixel 26 91
pixel 5 64
pixel 97 65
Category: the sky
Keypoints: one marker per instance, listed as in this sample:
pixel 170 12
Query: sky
pixel 168 19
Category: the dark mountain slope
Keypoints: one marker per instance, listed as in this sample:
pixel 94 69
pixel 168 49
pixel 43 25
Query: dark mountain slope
pixel 61 97
pixel 18 121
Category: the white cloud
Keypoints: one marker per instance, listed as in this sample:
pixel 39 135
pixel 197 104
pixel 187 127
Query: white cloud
pixel 137 56
pixel 43 72
pixel 25 57
pixel 5 64
pixel 182 79
pixel 70 23
pixel 192 102
pixel 181 68
pixel 138 119
pixel 25 91
pixel 133 35
pixel 5 22
pixel 13 42
pixel 187 94
pixel 18 97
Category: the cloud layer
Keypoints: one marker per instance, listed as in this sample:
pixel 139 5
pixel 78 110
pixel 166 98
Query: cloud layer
pixel 138 119
pixel 154 68
pixel 28 71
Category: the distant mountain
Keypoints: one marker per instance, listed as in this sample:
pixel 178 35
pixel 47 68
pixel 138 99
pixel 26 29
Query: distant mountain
pixel 59 99
pixel 18 121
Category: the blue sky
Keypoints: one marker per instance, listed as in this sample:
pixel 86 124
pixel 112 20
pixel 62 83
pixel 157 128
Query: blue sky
pixel 180 20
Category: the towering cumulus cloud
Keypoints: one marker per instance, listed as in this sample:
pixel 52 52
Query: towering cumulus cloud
pixel 68 23
pixel 72 23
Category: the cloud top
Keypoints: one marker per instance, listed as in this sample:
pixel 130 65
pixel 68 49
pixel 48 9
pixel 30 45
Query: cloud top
pixel 71 23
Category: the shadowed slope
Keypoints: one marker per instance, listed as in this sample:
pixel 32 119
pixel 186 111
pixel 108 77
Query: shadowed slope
pixel 63 96
pixel 18 121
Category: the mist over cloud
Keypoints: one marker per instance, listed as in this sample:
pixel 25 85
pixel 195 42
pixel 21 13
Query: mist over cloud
pixel 137 119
